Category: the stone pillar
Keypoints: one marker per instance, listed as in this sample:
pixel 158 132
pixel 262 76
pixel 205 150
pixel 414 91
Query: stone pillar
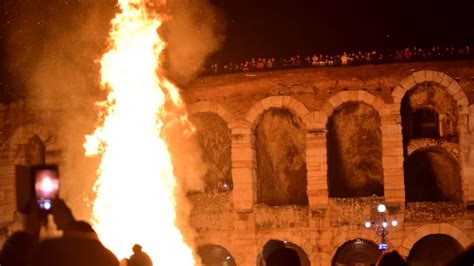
pixel 392 158
pixel 243 169
pixel 316 165
pixel 466 146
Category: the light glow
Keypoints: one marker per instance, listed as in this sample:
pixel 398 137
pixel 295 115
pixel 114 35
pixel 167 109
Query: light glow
pixel 368 224
pixel 137 193
pixel 381 208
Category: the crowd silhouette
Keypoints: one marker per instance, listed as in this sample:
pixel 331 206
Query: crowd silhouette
pixel 435 53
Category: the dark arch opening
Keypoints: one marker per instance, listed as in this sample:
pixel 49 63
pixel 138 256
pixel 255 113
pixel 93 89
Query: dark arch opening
pixel 432 174
pixel 283 253
pixel 354 152
pixel 436 249
pixel 214 137
pixel 425 123
pixel 280 143
pixel 357 252
pixel 428 111
pixel 215 255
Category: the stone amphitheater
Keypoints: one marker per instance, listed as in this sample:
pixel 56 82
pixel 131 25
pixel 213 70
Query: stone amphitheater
pixel 307 155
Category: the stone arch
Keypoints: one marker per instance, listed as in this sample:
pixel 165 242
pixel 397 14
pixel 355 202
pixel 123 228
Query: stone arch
pixel 278 102
pixel 461 101
pixel 357 251
pixel 422 76
pixel 212 254
pixel 434 249
pixel 23 135
pixel 430 229
pixel 316 153
pixel 343 97
pixel 354 151
pixel 211 107
pixel 213 136
pixel 276 250
pixel 261 117
pixel 365 234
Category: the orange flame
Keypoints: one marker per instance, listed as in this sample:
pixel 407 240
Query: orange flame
pixel 136 188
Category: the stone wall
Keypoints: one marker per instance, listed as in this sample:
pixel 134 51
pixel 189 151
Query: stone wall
pixel 317 95
pixel 236 221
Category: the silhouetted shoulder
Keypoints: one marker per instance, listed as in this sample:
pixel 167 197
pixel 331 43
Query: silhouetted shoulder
pixel 73 252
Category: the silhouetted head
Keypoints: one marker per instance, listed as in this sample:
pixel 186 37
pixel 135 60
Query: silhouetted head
pixel 136 248
pixel 17 250
pixel 82 226
pixel 392 258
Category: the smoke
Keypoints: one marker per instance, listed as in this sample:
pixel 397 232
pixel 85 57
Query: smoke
pixel 195 30
pixel 52 47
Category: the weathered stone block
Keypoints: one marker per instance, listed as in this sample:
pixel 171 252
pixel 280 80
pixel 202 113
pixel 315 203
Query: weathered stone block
pixel 200 107
pixel 446 81
pixel 453 89
pixel 335 101
pixel 408 82
pixel 391 129
pixel 366 97
pixel 438 76
pixel 327 109
pixel 300 109
pixel 419 76
pixel 463 101
pixel 429 75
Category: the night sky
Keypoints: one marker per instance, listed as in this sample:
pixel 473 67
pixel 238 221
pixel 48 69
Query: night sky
pixel 275 28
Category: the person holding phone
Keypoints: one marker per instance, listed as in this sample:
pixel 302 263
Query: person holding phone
pixel 79 245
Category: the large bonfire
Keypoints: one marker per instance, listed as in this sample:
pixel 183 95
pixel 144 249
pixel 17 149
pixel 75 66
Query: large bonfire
pixel 136 190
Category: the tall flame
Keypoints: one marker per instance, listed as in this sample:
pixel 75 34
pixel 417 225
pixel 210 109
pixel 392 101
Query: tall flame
pixel 136 188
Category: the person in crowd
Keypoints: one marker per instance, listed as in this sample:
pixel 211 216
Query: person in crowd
pixel 78 246
pixel 465 258
pixel 260 64
pixel 344 59
pixel 392 259
pixel 270 62
pixel 139 258
pixel 358 58
pixel 314 60
pixel 17 250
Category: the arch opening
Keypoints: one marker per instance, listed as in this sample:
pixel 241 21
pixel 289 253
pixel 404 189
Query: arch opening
pixel 214 138
pixel 433 175
pixel 354 151
pixel 428 111
pixel 215 255
pixel 435 249
pixel 357 252
pixel 280 143
pixel 283 253
pixel 425 123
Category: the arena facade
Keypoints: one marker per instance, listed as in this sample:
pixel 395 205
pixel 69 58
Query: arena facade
pixel 308 154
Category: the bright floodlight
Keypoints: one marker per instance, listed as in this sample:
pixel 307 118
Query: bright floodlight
pixel 381 208
pixel 394 223
pixel 368 224
pixel 384 224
